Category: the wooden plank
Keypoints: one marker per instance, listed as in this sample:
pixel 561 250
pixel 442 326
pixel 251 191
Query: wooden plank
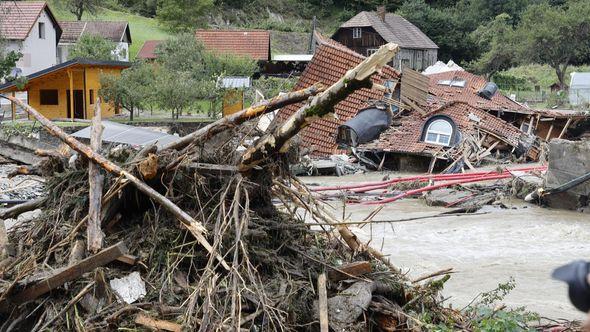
pixel 157 324
pixel 94 232
pixel 549 132
pixel 70 273
pixel 353 269
pixel 323 303
pixel 413 105
pixel 213 168
pixel 128 259
pixel 567 124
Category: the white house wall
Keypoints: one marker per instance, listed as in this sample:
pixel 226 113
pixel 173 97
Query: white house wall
pixel 38 54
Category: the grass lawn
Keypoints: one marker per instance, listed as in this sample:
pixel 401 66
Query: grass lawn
pixel 142 28
pixel 542 75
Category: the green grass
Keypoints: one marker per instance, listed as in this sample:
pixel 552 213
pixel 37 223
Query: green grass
pixel 541 75
pixel 142 28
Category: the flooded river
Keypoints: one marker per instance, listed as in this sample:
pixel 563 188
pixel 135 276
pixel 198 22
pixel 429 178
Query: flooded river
pixel 525 242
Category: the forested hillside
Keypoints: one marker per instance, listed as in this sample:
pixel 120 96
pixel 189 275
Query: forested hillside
pixel 483 36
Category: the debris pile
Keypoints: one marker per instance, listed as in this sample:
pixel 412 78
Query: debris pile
pixel 198 235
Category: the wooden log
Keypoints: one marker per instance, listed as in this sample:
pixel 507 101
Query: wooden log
pixel 193 226
pixel 323 303
pixel 24 207
pixel 353 269
pixel 320 106
pixel 265 106
pixel 70 273
pixel 157 324
pixel 94 232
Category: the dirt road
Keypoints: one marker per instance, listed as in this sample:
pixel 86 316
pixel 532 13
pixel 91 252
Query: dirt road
pixel 525 242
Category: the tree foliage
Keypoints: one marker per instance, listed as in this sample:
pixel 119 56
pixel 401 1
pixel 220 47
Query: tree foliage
pixel 496 40
pixel 183 15
pixel 556 36
pixel 79 7
pixel 93 47
pixel 132 90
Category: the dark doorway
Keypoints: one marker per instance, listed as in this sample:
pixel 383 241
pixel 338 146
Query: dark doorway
pixel 78 104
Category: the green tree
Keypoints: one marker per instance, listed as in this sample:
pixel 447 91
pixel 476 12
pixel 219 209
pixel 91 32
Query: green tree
pixel 8 59
pixel 132 90
pixel 495 39
pixel 183 15
pixel 79 7
pixel 556 36
pixel 93 47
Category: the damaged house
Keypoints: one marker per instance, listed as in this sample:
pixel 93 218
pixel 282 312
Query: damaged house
pixel 331 61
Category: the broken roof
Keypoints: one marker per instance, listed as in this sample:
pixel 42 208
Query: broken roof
pixel 330 62
pixel 147 51
pixel 113 31
pixel 252 43
pixel 17 18
pixel 394 29
pixel 406 138
pixel 125 134
pixel 473 83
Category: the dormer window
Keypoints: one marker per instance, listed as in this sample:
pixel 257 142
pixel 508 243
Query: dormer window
pixel 41 30
pixel 357 33
pixel 439 132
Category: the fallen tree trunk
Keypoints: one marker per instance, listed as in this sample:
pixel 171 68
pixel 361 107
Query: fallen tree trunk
pixel 321 105
pixel 244 115
pixel 24 207
pixel 195 227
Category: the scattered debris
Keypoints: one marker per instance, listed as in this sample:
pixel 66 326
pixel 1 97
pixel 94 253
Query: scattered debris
pixel 130 288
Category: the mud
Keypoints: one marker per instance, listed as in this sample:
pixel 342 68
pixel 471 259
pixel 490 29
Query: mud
pixel 525 242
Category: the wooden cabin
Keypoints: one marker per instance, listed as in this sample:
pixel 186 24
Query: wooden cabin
pixel 367 31
pixel 68 90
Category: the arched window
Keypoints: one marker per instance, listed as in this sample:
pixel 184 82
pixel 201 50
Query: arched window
pixel 439 132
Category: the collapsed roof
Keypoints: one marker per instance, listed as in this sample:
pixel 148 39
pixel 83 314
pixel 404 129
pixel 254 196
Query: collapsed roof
pixel 464 86
pixel 407 137
pixel 330 62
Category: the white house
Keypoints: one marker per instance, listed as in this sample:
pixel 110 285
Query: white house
pixel 30 28
pixel 579 90
pixel 116 32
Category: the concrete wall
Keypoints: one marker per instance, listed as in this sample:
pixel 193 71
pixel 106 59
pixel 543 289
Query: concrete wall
pixel 38 53
pixel 567 161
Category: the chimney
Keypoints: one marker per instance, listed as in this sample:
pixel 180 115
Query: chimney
pixel 381 13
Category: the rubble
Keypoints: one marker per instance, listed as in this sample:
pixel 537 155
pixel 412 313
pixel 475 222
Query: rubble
pixel 214 240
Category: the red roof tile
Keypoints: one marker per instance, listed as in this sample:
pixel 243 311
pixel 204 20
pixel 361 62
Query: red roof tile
pixel 406 138
pixel 468 94
pixel 18 17
pixel 253 43
pixel 148 49
pixel 330 62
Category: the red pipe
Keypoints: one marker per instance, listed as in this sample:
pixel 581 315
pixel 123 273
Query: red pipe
pixel 438 177
pixel 437 186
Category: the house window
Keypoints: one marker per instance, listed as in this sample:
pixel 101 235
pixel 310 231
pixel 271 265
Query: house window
pixel 439 132
pixel 370 51
pixel 48 97
pixel 91 97
pixel 41 30
pixel 357 33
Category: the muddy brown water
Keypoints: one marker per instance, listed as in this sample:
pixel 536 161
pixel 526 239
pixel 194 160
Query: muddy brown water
pixel 525 242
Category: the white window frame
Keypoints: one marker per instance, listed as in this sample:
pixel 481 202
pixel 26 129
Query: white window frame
pixel 357 33
pixel 41 29
pixel 370 51
pixel 438 133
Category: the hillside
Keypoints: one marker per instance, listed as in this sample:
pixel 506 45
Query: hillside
pixel 142 28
